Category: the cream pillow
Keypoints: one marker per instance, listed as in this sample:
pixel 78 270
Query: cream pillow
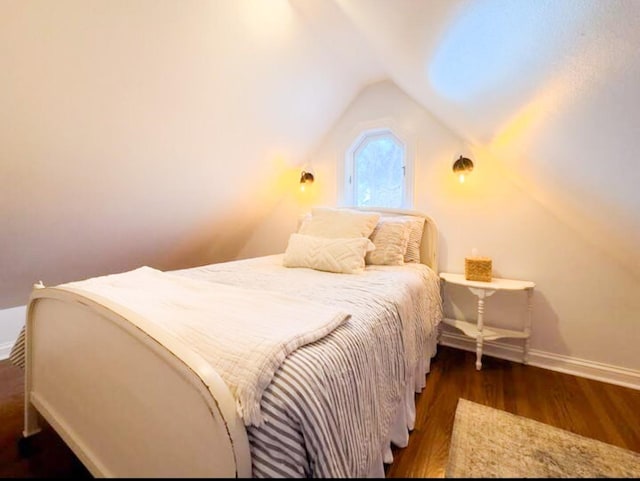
pixel 391 239
pixel 341 255
pixel 415 239
pixel 412 253
pixel 339 223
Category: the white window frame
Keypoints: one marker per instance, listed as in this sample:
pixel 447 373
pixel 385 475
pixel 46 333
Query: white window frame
pixel 346 181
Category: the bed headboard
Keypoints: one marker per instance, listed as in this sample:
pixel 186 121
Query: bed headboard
pixel 429 244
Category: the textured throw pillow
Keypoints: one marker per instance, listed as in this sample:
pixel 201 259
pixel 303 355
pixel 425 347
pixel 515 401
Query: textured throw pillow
pixel 391 239
pixel 341 255
pixel 415 239
pixel 412 254
pixel 339 223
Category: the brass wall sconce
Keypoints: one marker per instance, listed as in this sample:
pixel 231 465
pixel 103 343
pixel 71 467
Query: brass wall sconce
pixel 305 178
pixel 462 167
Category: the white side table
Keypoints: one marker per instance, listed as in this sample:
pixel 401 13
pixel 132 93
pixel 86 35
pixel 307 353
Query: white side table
pixel 478 330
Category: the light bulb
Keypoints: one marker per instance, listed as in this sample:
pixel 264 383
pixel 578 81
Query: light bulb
pixel 461 178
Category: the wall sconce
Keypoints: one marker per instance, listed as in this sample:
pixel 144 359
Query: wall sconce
pixel 305 178
pixel 461 167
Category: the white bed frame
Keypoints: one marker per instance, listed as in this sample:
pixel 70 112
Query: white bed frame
pixel 101 383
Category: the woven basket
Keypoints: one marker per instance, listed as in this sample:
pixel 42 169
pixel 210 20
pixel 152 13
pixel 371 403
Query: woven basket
pixel 477 269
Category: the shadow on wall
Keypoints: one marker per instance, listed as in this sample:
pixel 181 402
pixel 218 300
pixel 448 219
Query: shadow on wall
pixel 225 235
pixel 217 240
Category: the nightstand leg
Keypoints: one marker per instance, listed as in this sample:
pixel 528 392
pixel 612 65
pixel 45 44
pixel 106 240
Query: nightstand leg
pixel 527 327
pixel 440 327
pixel 479 339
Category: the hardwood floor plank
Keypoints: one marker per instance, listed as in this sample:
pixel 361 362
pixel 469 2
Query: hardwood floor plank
pixel 618 410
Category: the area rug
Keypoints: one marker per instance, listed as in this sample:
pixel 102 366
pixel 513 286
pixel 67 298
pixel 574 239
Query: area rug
pixel 490 443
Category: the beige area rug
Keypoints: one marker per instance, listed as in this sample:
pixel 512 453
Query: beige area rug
pixel 490 443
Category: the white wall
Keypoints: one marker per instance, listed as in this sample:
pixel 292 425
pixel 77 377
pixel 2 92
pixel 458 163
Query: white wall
pixel 155 132
pixel 585 306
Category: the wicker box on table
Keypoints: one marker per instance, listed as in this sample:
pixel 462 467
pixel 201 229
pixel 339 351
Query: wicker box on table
pixel 477 269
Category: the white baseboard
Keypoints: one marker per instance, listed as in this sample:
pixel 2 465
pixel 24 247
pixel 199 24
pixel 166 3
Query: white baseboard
pixel 547 360
pixel 5 350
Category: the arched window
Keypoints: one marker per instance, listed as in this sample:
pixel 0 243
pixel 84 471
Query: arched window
pixel 376 173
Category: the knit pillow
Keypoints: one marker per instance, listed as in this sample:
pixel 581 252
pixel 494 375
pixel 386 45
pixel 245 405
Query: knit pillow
pixel 340 255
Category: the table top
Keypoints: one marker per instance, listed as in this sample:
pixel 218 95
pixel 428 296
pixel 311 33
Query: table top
pixel 496 283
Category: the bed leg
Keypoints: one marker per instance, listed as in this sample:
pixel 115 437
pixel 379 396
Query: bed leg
pixel 31 428
pixel 31 421
pixel 25 447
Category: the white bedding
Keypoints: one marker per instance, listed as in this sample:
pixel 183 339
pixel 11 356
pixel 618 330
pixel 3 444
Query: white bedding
pixel 335 404
pixel 220 323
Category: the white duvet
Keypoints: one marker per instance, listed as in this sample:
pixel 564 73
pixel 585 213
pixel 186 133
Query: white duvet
pixel 244 333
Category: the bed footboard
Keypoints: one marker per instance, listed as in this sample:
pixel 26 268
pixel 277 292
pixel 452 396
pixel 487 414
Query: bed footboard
pixel 127 405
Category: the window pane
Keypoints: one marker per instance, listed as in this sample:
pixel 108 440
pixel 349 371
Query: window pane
pixel 379 176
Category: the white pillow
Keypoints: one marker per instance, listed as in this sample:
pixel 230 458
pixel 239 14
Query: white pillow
pixel 391 239
pixel 339 223
pixel 341 255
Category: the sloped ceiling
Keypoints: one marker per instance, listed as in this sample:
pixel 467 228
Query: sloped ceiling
pixel 156 131
pixel 549 88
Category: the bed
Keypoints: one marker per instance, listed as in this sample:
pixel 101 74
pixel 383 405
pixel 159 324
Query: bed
pixel 132 399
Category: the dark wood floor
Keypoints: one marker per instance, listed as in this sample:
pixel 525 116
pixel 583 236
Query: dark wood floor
pixel 594 409
pixel 590 408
